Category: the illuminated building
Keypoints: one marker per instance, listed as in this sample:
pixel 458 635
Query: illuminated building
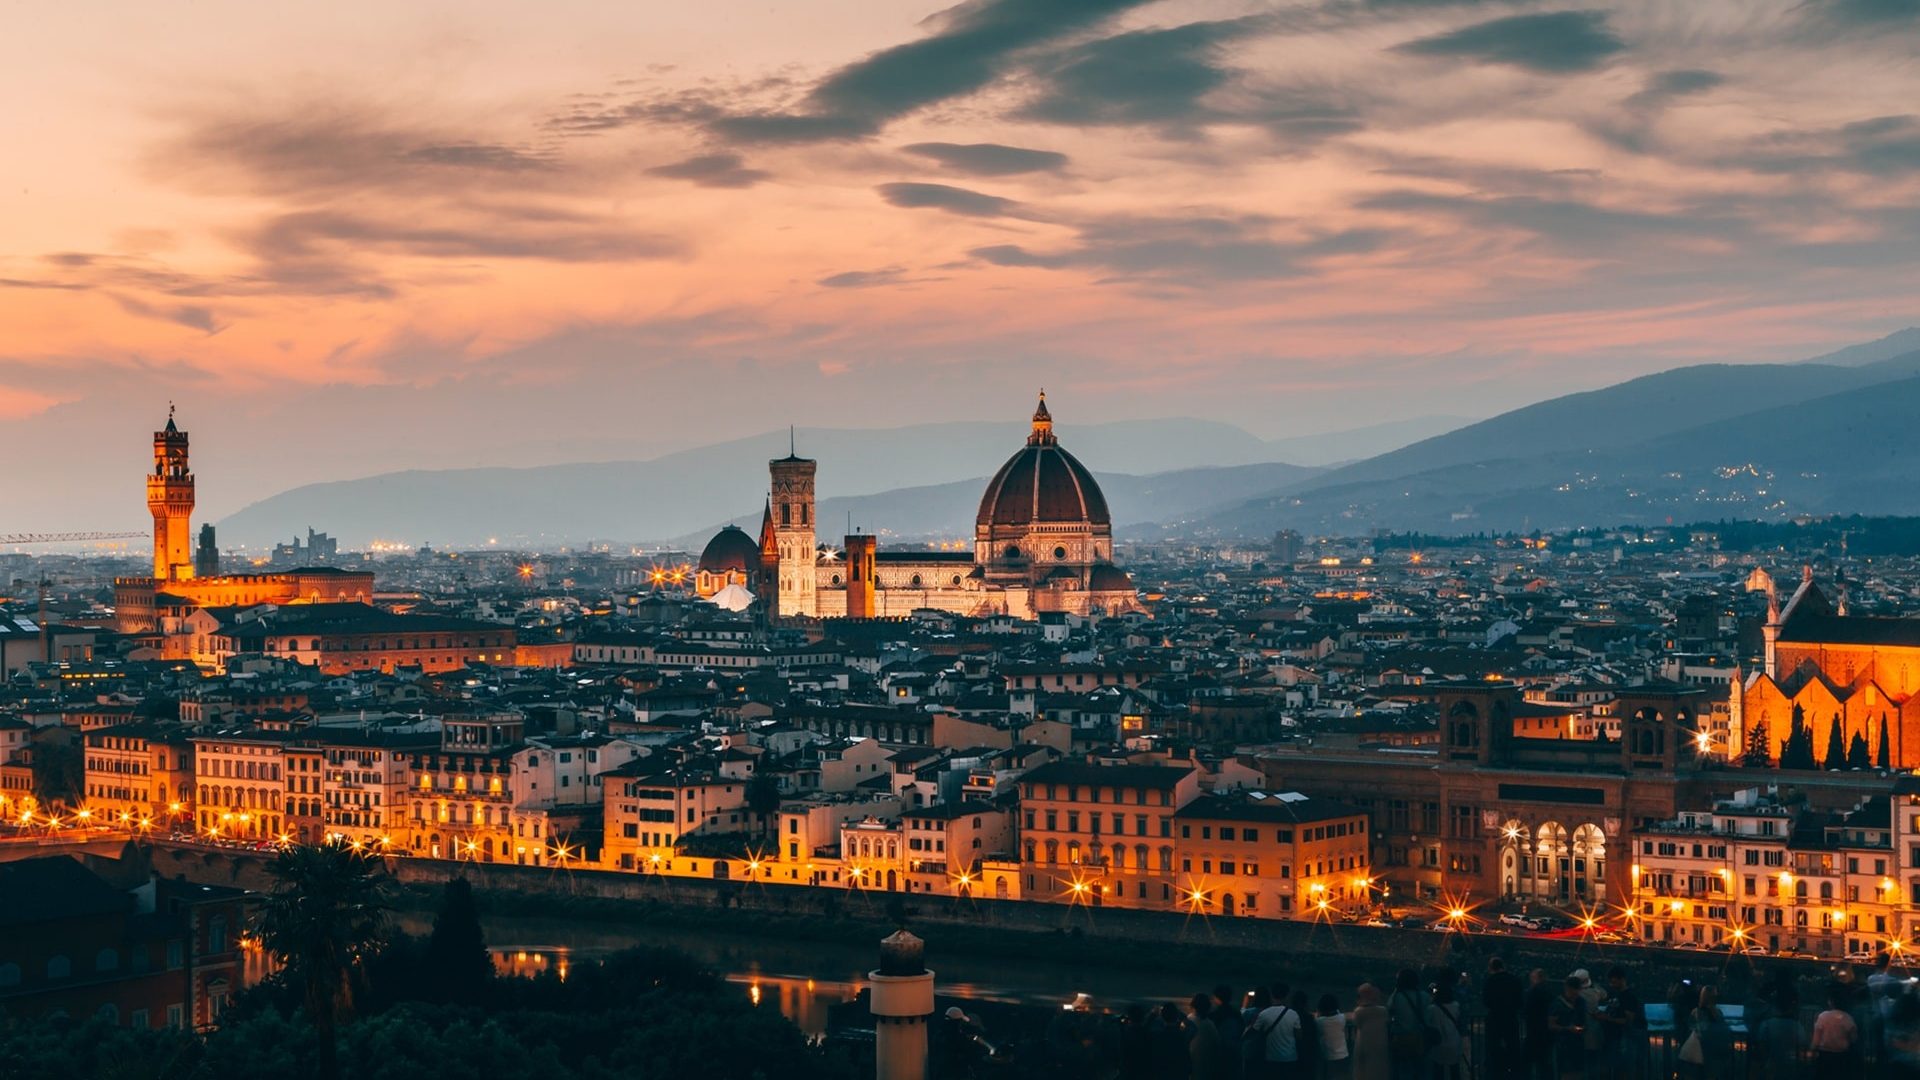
pixel 1104 834
pixel 1824 663
pixel 650 811
pixel 1043 542
pixel 462 797
pixel 1488 813
pixel 239 783
pixel 139 773
pixel 147 605
pixel 340 638
pixel 1274 855
pixel 170 499
pixel 1760 871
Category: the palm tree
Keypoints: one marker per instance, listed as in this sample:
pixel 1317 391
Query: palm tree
pixel 327 913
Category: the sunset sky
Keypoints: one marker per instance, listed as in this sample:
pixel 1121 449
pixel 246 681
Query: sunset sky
pixel 352 237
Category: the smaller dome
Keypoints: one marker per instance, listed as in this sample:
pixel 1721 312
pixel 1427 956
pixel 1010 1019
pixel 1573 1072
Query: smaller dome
pixel 730 549
pixel 1107 577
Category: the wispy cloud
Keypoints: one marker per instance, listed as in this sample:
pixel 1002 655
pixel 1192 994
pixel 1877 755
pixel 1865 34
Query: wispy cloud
pixel 1554 43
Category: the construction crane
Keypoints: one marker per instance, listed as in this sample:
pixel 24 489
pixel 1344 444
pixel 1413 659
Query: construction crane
pixel 19 539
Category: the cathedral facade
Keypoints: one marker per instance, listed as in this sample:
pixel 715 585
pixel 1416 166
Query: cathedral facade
pixel 1822 664
pixel 1043 542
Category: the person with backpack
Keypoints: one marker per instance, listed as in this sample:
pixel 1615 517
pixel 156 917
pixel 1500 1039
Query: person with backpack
pixel 1281 1049
pixel 1409 1035
pixel 1448 1056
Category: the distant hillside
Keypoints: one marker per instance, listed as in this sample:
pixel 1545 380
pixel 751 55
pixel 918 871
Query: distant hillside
pixel 1898 343
pixel 1174 500
pixel 1627 412
pixel 1355 444
pixel 1844 452
pixel 681 493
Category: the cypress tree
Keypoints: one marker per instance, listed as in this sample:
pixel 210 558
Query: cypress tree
pixel 459 967
pixel 1797 753
pixel 1758 752
pixel 1857 756
pixel 1886 749
pixel 1836 747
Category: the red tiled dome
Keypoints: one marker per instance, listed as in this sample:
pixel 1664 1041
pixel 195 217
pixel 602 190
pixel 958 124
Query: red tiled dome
pixel 730 549
pixel 1046 485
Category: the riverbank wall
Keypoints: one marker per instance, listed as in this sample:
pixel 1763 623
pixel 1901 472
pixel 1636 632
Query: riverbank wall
pixel 1241 948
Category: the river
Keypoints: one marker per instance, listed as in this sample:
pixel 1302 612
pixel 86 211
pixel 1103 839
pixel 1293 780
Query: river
pixel 806 978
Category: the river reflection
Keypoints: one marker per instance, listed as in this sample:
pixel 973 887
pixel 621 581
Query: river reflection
pixel 805 978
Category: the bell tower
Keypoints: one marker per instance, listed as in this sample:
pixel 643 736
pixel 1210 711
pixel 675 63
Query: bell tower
pixel 792 512
pixel 170 498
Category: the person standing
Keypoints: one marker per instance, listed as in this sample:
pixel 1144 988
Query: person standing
pixel 1281 1022
pixel 1204 1051
pixel 1536 1009
pixel 1623 1028
pixel 1567 1020
pixel 1835 1035
pixel 1712 1038
pixel 1448 1055
pixel 1336 1059
pixel 1409 1034
pixel 1779 1038
pixel 1504 999
pixel 1372 1045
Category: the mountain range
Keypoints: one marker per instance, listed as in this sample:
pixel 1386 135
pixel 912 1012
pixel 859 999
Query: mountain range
pixel 1821 436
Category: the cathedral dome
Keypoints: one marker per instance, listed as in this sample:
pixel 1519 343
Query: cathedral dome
pixel 1043 485
pixel 730 549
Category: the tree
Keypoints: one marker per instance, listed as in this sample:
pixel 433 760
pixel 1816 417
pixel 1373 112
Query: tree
pixel 1857 756
pixel 1797 752
pixel 326 914
pixel 763 794
pixel 458 966
pixel 1836 757
pixel 1759 752
pixel 1886 754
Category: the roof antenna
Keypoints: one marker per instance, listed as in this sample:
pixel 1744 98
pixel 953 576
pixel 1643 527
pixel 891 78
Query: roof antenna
pixel 792 448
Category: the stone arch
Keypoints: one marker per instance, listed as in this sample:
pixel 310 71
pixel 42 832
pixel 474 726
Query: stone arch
pixel 1516 857
pixel 1589 863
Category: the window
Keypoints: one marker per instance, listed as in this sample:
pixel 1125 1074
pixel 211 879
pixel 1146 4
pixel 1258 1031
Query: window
pixel 107 960
pixel 59 967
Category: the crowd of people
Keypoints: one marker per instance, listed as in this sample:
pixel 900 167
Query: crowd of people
pixel 1501 1026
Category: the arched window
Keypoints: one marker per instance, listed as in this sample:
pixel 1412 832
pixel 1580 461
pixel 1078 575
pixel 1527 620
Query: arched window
pixel 107 960
pixel 59 967
pixel 1013 551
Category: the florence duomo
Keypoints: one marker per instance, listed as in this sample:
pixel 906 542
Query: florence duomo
pixel 1043 542
pixel 960 540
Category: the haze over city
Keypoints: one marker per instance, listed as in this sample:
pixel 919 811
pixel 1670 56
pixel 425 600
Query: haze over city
pixel 506 235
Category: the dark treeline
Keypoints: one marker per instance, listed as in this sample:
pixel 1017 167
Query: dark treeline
pixel 433 1008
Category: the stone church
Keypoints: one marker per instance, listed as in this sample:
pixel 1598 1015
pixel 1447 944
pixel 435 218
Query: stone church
pixel 1043 541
